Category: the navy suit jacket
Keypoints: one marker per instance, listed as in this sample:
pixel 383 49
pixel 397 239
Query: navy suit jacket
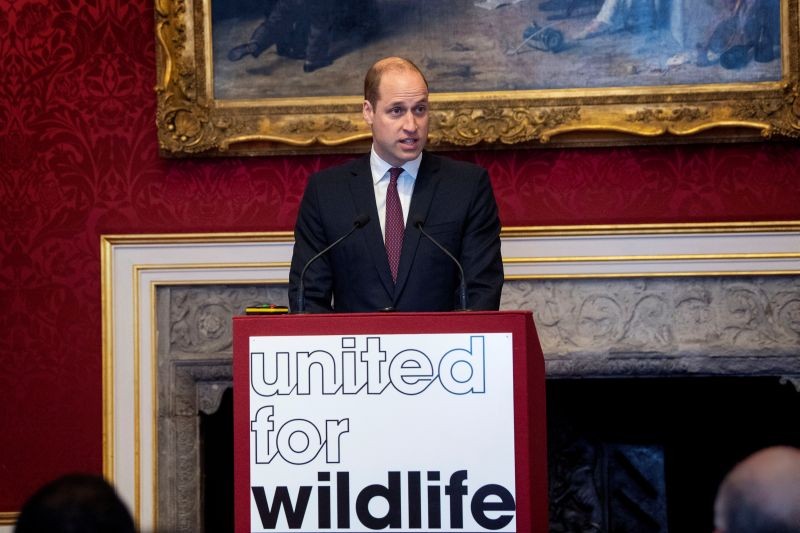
pixel 457 206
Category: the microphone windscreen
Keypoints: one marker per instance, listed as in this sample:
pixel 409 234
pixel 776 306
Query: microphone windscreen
pixel 361 220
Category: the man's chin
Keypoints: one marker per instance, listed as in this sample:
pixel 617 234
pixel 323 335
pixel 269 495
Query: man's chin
pixel 409 153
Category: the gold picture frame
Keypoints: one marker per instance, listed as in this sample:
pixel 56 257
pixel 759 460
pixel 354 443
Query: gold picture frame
pixel 192 120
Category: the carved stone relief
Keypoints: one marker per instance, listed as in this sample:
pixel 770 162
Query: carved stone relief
pixel 664 325
pixel 200 317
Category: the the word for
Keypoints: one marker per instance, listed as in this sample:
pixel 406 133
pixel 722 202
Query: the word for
pixel 298 441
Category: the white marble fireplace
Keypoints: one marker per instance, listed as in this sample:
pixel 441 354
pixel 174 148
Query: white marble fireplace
pixel 608 302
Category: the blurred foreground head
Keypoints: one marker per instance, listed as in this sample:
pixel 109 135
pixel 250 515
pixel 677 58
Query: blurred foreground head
pixel 761 494
pixel 75 503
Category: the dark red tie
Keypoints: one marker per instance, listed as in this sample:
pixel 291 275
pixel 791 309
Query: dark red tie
pixel 395 225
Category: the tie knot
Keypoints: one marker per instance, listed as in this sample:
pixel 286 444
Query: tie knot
pixel 394 173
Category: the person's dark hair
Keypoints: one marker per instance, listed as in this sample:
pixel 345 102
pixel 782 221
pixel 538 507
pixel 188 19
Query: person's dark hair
pixel 76 503
pixel 372 81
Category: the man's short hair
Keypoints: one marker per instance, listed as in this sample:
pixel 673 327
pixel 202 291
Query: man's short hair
pixel 372 81
pixel 75 503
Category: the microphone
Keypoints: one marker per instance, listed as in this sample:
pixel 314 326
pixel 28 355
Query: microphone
pixel 462 289
pixel 359 222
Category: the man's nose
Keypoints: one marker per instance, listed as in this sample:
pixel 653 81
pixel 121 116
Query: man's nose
pixel 410 122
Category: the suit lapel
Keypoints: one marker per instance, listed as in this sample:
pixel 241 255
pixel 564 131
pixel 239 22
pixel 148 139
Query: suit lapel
pixel 424 190
pixel 363 193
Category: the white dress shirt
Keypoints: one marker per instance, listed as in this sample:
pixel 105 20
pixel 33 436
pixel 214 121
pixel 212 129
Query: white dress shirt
pixel 380 183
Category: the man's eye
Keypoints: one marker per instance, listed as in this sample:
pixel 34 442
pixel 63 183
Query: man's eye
pixel 421 110
pixel 395 111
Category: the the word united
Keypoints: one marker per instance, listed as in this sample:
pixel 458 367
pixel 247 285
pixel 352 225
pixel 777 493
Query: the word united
pixel 370 369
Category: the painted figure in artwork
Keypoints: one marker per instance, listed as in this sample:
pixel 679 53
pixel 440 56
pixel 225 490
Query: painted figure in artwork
pixel 303 29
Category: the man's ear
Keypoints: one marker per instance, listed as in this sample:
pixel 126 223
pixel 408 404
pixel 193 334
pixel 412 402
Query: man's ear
pixel 368 112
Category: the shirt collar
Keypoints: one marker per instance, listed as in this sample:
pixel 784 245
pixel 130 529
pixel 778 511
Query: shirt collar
pixel 379 167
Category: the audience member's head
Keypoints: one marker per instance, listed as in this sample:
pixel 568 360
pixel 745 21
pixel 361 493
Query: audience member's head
pixel 761 494
pixel 75 503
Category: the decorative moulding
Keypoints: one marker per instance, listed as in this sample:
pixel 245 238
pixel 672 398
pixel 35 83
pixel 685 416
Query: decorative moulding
pixel 748 104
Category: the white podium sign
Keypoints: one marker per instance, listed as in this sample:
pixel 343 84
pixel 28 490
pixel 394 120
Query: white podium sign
pixel 360 433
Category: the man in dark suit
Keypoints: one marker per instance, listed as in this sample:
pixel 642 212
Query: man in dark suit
pixel 388 264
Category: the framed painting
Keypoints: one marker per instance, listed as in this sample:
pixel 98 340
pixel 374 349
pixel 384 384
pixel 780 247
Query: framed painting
pixel 253 77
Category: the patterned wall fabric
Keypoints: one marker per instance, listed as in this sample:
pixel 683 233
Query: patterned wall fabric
pixel 78 158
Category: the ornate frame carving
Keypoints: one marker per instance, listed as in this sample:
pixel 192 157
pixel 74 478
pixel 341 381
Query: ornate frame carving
pixel 191 121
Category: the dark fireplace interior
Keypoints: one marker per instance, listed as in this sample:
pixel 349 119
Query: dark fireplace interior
pixel 625 455
pixel 216 459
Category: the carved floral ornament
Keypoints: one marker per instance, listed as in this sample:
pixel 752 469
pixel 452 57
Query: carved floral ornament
pixel 191 121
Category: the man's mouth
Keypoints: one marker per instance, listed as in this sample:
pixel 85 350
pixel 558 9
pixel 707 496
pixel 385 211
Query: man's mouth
pixel 408 142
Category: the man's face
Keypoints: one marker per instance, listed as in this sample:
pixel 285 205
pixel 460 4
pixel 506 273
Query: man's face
pixel 399 119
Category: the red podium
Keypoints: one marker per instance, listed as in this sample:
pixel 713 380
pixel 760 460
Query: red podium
pixel 397 421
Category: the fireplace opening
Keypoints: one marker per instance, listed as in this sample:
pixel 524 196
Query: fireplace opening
pixel 648 454
pixel 216 460
pixel 624 454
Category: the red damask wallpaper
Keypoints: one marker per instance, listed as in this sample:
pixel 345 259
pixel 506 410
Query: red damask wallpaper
pixel 78 158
